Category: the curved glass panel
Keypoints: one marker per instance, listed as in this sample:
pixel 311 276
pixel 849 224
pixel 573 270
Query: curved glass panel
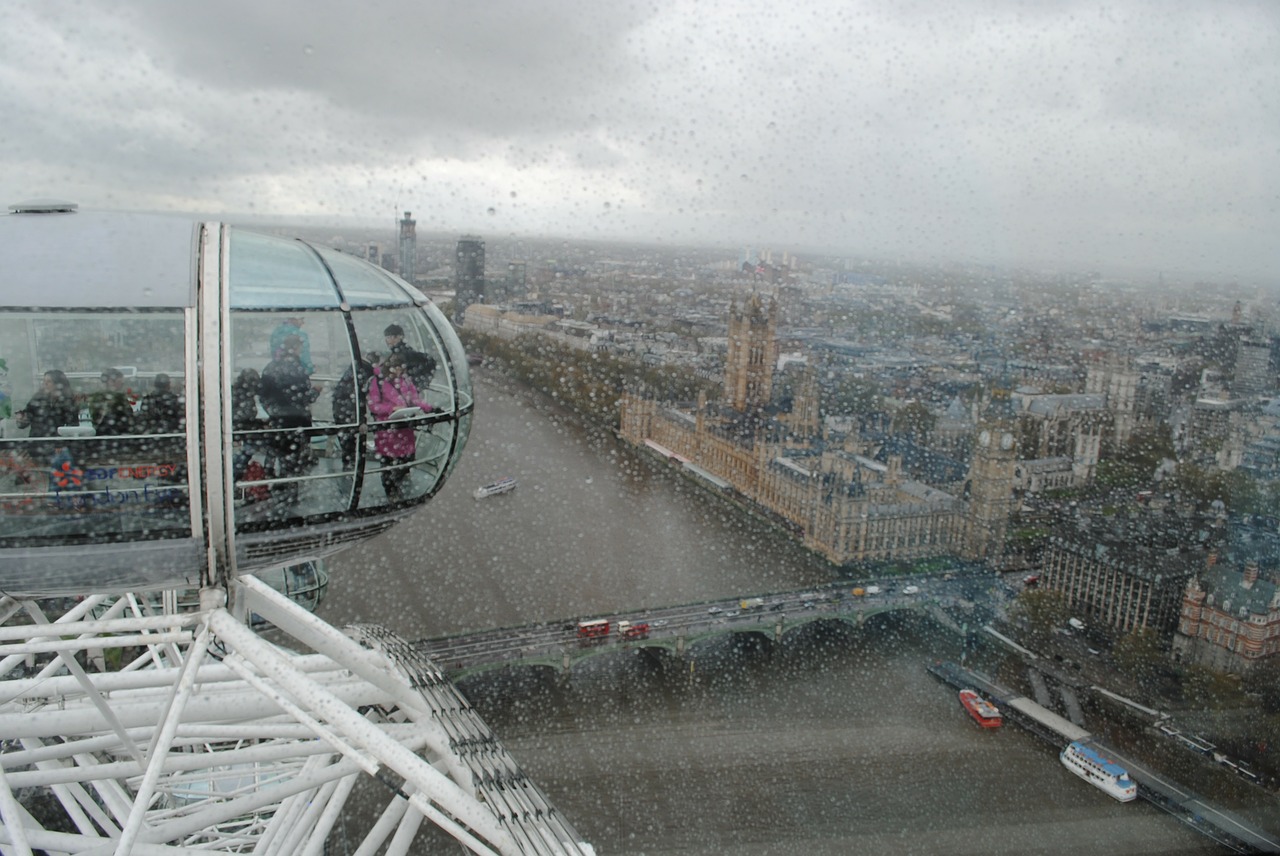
pixel 407 394
pixel 361 283
pixel 408 459
pixel 285 368
pixel 457 356
pixel 273 273
pixel 319 433
pixel 464 431
pixel 422 346
pixel 92 427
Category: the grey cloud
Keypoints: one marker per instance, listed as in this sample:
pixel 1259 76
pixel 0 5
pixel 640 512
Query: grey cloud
pixel 485 67
pixel 1138 132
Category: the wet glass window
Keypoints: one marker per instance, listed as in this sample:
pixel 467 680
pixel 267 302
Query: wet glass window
pixel 317 431
pixel 92 439
pixel 284 369
pixel 409 388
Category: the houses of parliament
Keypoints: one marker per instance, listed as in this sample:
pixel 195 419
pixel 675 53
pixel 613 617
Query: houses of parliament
pixel 844 503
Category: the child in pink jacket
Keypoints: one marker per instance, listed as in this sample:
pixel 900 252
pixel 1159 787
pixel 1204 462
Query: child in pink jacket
pixel 389 391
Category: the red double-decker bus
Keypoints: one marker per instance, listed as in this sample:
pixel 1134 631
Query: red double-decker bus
pixel 593 629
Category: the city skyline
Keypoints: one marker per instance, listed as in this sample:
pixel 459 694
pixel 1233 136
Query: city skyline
pixel 1135 136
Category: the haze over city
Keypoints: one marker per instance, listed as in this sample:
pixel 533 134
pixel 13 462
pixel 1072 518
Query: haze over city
pixel 1119 137
pixel 799 396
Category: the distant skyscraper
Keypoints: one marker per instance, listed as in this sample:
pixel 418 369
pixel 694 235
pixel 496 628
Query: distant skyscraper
pixel 373 253
pixel 408 246
pixel 1253 368
pixel 517 278
pixel 468 274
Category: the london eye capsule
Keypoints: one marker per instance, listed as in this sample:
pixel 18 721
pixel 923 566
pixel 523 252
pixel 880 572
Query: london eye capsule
pixel 181 400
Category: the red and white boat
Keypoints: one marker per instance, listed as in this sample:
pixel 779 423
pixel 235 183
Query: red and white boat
pixel 500 486
pixel 983 712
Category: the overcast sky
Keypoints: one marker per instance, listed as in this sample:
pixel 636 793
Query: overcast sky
pixel 1120 134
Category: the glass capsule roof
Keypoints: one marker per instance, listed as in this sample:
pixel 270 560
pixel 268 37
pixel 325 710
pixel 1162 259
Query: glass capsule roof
pixel 274 273
pixel 88 259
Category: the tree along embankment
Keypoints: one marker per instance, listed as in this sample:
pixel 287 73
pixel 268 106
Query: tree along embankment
pixel 591 383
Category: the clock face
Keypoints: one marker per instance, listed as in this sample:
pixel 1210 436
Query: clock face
pixel 985 438
pixel 1006 442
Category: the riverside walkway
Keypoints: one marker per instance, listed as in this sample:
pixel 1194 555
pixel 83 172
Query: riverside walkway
pixel 1222 826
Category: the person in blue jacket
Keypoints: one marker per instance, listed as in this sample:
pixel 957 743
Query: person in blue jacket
pixel 292 326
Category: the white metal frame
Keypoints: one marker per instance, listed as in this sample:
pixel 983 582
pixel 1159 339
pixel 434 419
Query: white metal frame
pixel 171 733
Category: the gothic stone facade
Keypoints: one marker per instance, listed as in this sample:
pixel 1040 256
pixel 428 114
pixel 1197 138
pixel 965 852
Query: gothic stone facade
pixel 848 508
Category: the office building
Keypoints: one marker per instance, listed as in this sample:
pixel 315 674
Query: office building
pixel 408 247
pixel 468 274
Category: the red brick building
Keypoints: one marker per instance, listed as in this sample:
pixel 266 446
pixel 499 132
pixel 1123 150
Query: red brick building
pixel 1230 618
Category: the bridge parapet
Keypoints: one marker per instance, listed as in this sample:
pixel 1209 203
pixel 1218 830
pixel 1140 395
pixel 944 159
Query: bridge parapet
pixel 676 629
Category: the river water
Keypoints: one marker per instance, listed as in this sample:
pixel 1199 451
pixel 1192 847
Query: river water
pixel 835 742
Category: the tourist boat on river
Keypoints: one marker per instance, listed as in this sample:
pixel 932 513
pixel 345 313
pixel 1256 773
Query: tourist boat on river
pixel 500 486
pixel 983 712
pixel 1098 770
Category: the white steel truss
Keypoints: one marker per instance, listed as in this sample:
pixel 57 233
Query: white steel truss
pixel 131 729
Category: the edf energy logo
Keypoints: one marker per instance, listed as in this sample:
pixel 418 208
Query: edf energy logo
pixel 65 474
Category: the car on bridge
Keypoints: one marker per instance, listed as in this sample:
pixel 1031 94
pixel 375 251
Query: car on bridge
pixel 911 590
pixel 629 630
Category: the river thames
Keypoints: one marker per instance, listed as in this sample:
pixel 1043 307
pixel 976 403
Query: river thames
pixel 836 742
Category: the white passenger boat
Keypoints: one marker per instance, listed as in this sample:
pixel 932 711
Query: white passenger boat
pixel 1098 770
pixel 500 486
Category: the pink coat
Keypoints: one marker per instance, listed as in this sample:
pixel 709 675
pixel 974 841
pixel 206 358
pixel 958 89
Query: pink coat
pixel 386 396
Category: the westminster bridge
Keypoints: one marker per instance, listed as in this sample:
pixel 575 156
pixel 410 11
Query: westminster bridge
pixel 959 602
